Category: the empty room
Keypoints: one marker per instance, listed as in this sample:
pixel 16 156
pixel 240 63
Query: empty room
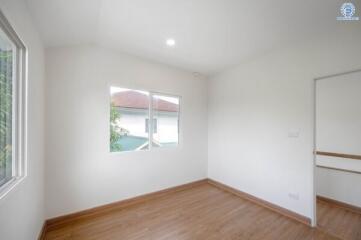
pixel 180 120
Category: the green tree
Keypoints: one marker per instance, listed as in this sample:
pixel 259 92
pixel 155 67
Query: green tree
pixel 114 129
pixel 5 109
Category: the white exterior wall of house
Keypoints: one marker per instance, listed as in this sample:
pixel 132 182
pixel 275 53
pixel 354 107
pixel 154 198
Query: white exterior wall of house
pixel 167 124
pixel 167 128
pixel 134 122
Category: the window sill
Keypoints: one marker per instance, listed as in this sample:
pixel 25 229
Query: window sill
pixel 10 185
pixel 153 149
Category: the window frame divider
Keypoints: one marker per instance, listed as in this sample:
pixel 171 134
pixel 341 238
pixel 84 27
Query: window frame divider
pixel 150 122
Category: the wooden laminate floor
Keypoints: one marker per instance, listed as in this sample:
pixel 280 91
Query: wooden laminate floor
pixel 338 221
pixel 203 212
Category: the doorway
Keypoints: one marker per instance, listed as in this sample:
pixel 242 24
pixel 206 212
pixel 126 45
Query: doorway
pixel 338 154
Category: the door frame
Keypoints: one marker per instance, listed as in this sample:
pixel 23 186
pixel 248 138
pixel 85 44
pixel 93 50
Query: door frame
pixel 314 82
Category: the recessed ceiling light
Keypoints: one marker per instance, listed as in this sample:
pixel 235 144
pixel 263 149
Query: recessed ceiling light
pixel 170 42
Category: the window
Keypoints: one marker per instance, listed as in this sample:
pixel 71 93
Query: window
pixel 154 125
pixel 129 109
pixel 166 110
pixel 12 103
pixel 147 125
pixel 132 112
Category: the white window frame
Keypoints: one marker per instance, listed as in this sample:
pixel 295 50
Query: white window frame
pixel 150 116
pixel 19 113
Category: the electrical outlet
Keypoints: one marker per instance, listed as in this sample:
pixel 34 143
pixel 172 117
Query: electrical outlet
pixel 294 196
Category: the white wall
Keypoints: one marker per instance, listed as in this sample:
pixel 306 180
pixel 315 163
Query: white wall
pixel 80 171
pixel 338 129
pixel 340 186
pixel 255 106
pixel 22 209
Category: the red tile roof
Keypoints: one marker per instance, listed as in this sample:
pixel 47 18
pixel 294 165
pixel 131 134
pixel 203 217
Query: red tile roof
pixel 133 99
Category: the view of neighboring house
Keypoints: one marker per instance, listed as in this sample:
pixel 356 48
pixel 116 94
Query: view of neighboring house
pixel 133 107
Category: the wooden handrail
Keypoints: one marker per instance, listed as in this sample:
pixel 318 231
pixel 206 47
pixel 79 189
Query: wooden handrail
pixel 340 155
pixel 339 169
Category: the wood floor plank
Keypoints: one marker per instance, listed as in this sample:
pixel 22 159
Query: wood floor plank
pixel 338 221
pixel 202 212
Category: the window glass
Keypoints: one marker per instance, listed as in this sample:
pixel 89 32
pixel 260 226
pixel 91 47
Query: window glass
pixel 128 112
pixel 165 112
pixel 7 51
pixel 147 124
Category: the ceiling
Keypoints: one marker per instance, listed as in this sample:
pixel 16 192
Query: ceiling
pixel 210 35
